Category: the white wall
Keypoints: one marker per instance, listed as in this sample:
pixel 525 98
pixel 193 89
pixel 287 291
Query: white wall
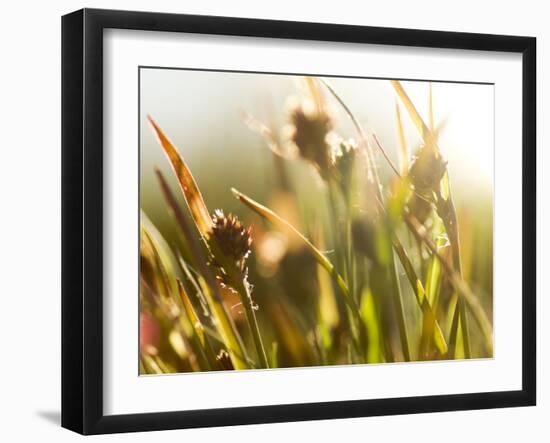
pixel 30 218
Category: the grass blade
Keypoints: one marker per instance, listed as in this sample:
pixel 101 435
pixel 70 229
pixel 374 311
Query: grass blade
pixel 447 211
pixel 403 148
pixel 243 288
pixel 272 217
pixel 205 224
pixel 360 131
pixel 226 327
pixel 399 309
pixel 190 312
pixel 187 183
pixel 372 174
pixel 421 298
pixel 414 114
pixel 461 287
pixel 199 335
pixel 162 283
pixel 446 208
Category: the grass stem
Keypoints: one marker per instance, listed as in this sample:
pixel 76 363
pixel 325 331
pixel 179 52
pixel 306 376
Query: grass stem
pixel 246 298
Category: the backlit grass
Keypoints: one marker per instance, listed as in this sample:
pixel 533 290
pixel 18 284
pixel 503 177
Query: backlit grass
pixel 376 267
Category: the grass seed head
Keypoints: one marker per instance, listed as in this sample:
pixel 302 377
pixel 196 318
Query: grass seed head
pixel 230 246
pixel 425 173
pixel 420 207
pixel 234 239
pixel 310 124
pixel 427 169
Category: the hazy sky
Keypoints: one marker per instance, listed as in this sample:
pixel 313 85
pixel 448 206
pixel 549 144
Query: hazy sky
pixel 199 111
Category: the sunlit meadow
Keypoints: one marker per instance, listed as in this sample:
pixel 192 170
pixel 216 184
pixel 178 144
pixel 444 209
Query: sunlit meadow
pixel 294 221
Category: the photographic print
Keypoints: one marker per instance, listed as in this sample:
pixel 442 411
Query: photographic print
pixel 303 220
pixel 249 204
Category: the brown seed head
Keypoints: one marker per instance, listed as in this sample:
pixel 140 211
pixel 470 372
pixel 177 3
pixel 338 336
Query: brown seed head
pixel 426 172
pixel 230 244
pixel 233 238
pixel 427 169
pixel 309 127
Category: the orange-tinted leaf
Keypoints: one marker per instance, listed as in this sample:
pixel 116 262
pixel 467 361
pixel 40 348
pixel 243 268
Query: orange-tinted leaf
pixel 187 183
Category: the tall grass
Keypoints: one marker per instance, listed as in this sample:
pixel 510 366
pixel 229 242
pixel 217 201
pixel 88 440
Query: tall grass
pixel 371 273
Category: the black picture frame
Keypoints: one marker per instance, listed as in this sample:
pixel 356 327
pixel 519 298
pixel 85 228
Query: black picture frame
pixel 82 220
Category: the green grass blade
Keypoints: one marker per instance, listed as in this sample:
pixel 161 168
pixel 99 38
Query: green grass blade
pixel 376 188
pixel 162 282
pixel 421 298
pixel 243 288
pixel 447 211
pixel 446 207
pixel 199 336
pixel 461 287
pixel 399 309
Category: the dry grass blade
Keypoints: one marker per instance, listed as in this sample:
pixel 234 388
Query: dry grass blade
pixel 204 222
pixel 350 114
pixel 225 324
pixel 392 166
pixel 188 185
pixel 415 116
pixel 403 148
pixel 315 93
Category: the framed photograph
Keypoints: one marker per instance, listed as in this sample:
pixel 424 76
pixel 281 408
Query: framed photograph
pixel 269 221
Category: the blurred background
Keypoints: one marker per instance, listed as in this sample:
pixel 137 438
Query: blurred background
pixel 200 112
